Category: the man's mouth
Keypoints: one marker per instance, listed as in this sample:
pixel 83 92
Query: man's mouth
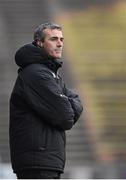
pixel 58 50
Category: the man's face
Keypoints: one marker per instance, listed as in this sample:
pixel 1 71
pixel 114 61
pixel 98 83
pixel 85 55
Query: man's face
pixel 53 42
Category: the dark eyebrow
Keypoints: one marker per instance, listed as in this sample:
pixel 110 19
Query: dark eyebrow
pixel 55 37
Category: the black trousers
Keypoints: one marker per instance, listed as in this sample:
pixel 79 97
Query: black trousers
pixel 38 174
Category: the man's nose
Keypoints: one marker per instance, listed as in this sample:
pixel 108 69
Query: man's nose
pixel 59 43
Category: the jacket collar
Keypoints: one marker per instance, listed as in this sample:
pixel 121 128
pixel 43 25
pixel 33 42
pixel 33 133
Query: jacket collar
pixel 31 54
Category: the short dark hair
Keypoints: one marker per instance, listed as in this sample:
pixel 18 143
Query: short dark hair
pixel 39 35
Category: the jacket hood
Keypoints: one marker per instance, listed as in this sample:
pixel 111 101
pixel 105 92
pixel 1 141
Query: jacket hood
pixel 31 54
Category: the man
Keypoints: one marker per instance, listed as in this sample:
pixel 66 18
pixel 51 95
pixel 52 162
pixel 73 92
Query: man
pixel 42 108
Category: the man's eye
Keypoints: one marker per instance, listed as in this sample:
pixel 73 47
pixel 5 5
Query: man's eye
pixel 53 39
pixel 62 39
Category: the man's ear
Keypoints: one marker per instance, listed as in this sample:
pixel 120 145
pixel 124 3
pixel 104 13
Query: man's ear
pixel 39 43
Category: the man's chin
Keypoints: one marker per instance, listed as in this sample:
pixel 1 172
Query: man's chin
pixel 57 57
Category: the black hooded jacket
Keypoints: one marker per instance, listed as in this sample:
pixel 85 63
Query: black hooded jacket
pixel 41 109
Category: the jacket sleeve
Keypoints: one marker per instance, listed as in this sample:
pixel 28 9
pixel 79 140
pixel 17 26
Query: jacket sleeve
pixel 75 102
pixel 44 96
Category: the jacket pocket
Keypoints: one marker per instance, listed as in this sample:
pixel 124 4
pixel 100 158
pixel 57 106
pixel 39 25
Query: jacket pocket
pixel 39 137
pixel 42 140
